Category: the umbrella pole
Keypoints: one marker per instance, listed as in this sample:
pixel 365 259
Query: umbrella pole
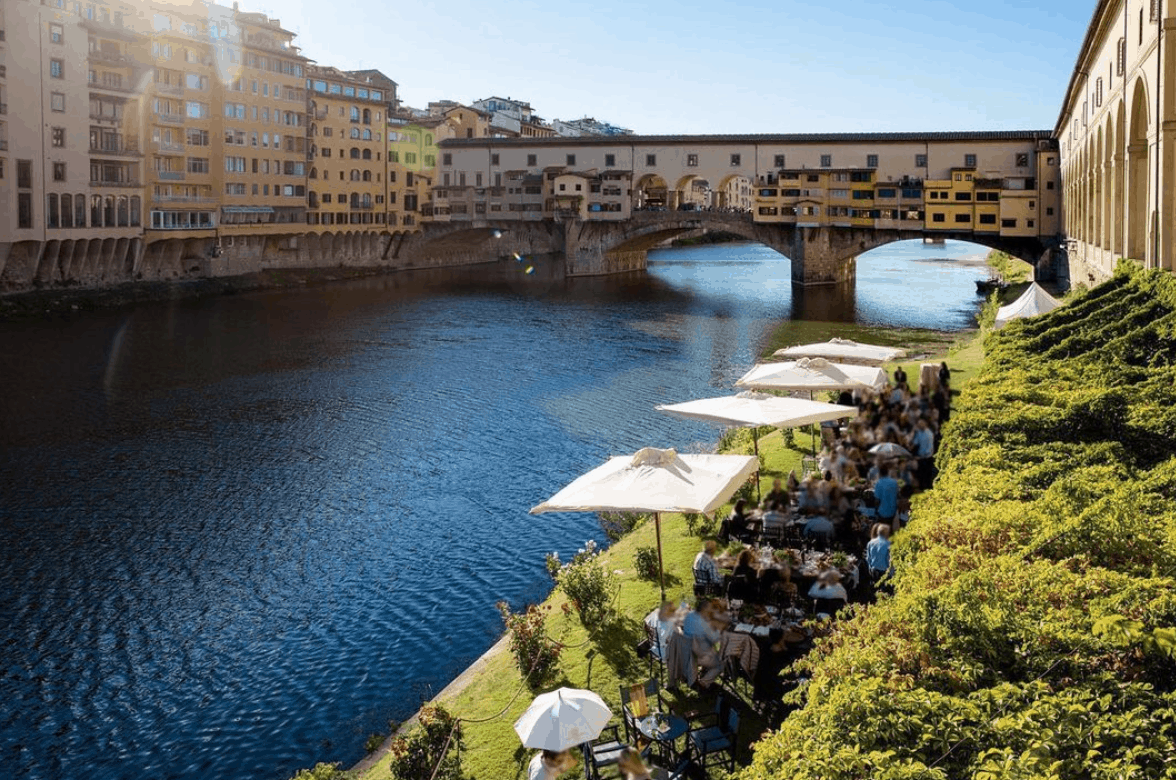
pixel 755 444
pixel 661 569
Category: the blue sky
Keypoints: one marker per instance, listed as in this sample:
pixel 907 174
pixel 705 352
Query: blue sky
pixel 715 67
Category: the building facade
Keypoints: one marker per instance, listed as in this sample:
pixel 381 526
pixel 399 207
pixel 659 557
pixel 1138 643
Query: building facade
pixel 1117 137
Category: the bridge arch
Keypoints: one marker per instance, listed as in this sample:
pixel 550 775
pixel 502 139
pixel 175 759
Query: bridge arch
pixel 1139 167
pixel 651 192
pixel 692 189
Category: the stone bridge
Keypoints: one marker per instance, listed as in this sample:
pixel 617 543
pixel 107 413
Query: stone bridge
pixel 819 255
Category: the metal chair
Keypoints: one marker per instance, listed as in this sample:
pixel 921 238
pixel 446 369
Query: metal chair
pixel 603 752
pixel 718 740
pixel 635 704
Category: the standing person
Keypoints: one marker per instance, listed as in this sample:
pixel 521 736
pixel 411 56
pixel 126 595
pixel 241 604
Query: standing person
pixel 924 444
pixel 886 492
pixel 549 764
pixel 900 376
pixel 632 767
pixel 878 553
pixel 944 374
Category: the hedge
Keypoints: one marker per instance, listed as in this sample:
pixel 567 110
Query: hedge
pixel 1031 634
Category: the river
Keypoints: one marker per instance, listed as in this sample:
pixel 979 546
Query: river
pixel 238 535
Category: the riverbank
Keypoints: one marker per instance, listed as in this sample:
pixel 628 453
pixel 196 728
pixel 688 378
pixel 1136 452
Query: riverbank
pixel 491 694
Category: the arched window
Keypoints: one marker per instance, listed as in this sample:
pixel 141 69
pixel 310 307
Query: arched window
pixel 354 174
pixel 96 211
pixel 108 211
pixel 80 211
pixel 313 199
pixel 124 211
pixel 354 153
pixel 367 175
pixel 67 213
pixel 136 210
pixel 314 173
pixel 355 132
pixel 367 135
pixel 367 154
pixel 354 114
pixel 313 129
pixel 367 116
pixel 367 200
pixel 54 216
pixel 355 200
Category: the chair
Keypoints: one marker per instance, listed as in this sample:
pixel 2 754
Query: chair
pixel 828 606
pixel 635 705
pixel 704 743
pixel 657 653
pixel 706 587
pixel 604 751
pixel 740 587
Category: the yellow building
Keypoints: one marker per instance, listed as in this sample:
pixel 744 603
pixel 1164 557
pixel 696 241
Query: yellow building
pixel 347 178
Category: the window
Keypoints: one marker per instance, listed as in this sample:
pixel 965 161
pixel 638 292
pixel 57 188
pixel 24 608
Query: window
pixel 1023 160
pixel 197 110
pixel 493 158
pixel 736 160
pixel 1049 185
pixel 969 161
pixel 1121 60
pixel 871 161
pixel 779 161
pixel 1008 223
pixel 195 81
pixel 987 219
pixel 235 189
pixel 571 158
pixel 937 217
pixel 1029 223
pixel 58 171
pixel 826 161
pixel 197 165
pixel 57 101
pixel 24 174
pixel 56 33
pixel 610 160
pixel 57 134
pixel 57 69
pixel 234 164
pixel 920 161
pixel 1049 211
pixel 24 210
pixel 963 196
pixel 532 160
pixel 965 217
pixel 447 159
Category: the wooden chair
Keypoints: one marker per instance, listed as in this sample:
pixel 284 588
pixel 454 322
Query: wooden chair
pixel 635 705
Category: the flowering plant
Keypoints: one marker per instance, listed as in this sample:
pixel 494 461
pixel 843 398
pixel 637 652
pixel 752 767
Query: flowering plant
pixel 535 654
pixel 588 585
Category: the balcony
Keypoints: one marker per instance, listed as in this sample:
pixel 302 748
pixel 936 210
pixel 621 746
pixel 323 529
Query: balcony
pixel 170 119
pixel 183 199
pixel 170 175
pixel 114 119
pixel 169 89
pixel 125 184
pixel 169 148
pixel 98 86
pixel 128 149
pixel 117 58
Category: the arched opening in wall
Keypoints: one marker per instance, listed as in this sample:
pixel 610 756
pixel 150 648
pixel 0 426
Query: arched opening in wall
pixel 1118 216
pixel 1139 173
pixel 692 193
pixel 734 193
pixel 926 285
pixel 1097 190
pixel 1109 184
pixel 651 193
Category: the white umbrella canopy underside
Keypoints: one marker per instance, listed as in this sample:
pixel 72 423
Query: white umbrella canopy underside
pixel 561 719
pixel 655 481
pixel 754 409
pixel 844 350
pixel 812 374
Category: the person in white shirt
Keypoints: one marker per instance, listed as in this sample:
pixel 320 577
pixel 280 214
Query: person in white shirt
pixel 706 571
pixel 662 623
pixel 549 764
pixel 828 586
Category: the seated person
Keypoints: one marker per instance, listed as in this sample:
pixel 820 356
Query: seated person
pixel 744 579
pixel 808 499
pixel 828 586
pixel 778 495
pixel 819 526
pixel 793 482
pixel 701 627
pixel 549 764
pixel 775 519
pixel 706 571
pixel 735 526
pixel 662 622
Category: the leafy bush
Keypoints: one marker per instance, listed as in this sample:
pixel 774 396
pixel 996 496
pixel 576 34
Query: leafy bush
pixel 699 525
pixel 617 524
pixel 588 585
pixel 646 563
pixel 324 771
pixel 432 750
pixel 373 742
pixel 536 654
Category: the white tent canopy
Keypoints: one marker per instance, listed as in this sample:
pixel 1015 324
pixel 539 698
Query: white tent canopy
pixel 843 350
pixel 812 374
pixel 1033 301
pixel 755 409
pixel 654 480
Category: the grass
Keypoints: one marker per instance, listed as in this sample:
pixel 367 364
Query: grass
pixel 1011 269
pixel 496 695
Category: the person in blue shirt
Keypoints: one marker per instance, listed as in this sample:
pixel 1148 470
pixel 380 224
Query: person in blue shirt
pixel 699 627
pixel 924 444
pixel 878 552
pixel 886 491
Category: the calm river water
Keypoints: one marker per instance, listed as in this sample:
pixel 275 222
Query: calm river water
pixel 238 535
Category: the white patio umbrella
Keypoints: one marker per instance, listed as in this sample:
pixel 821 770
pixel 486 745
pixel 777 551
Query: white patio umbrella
pixel 657 481
pixel 889 449
pixel 563 718
pixel 842 350
pixel 750 409
pixel 811 374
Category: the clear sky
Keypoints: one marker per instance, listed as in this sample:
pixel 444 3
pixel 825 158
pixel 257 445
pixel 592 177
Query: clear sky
pixel 717 67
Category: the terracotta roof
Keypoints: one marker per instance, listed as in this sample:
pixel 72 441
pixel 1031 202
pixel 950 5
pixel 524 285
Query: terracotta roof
pixel 764 138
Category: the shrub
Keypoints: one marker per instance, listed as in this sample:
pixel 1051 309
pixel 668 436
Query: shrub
pixel 432 750
pixel 373 742
pixel 588 585
pixel 536 654
pixel 323 771
pixel 618 524
pixel 646 563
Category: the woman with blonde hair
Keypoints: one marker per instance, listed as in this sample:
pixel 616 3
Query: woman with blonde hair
pixel 632 767
pixel 549 764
